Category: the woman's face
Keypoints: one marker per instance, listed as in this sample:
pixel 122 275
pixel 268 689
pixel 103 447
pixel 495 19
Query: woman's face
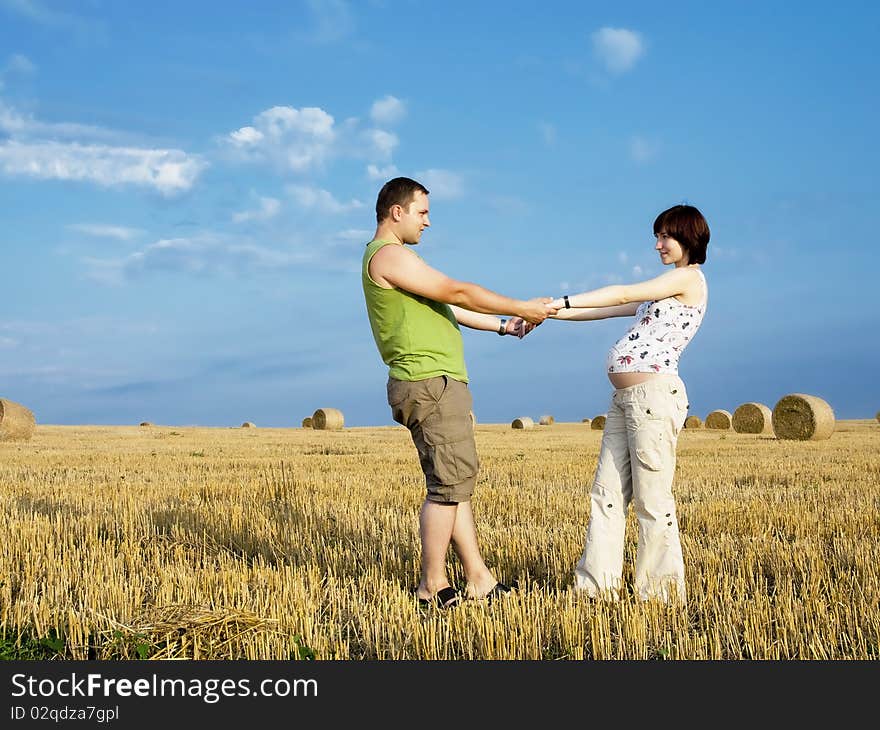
pixel 670 250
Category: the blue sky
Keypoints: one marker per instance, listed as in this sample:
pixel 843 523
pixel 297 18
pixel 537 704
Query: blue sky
pixel 186 190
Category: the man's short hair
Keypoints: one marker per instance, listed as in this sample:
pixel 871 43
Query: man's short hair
pixel 687 226
pixel 399 191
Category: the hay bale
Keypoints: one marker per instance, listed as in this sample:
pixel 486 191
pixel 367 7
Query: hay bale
pixel 586 421
pixel 719 419
pixel 328 419
pixel 522 422
pixel 752 418
pixel 803 418
pixel 307 422
pixel 693 422
pixel 598 423
pixel 878 416
pixel 547 420
pixel 16 422
pixel 145 423
pixel 248 424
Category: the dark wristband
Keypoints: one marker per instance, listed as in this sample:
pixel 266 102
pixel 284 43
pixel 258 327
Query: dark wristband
pixel 502 329
pixel 567 303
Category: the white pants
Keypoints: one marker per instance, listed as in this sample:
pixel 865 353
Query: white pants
pixel 637 464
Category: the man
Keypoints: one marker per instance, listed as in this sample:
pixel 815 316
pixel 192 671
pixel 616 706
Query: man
pixel 414 313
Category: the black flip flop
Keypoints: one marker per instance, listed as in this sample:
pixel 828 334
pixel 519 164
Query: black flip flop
pixel 444 598
pixel 498 590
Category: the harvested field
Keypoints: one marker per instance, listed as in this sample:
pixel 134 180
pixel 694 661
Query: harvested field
pixel 284 543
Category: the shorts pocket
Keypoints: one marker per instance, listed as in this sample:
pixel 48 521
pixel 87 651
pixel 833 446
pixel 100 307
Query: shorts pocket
pixel 397 391
pixel 412 401
pixel 449 436
pixel 455 462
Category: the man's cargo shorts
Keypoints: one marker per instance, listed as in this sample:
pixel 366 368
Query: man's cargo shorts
pixel 437 412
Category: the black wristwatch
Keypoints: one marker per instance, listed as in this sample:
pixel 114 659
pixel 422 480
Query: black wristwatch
pixel 502 330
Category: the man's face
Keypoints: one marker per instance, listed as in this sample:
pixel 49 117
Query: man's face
pixel 414 219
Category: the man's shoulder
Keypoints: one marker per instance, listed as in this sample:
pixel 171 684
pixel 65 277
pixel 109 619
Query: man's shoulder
pixel 388 250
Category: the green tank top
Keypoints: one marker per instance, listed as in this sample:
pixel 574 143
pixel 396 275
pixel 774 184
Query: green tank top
pixel 417 337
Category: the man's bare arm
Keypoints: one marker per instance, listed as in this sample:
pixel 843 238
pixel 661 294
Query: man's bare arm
pixel 402 269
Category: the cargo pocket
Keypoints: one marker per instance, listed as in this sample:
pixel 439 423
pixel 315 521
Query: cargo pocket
pixel 655 434
pixel 449 435
pixel 652 444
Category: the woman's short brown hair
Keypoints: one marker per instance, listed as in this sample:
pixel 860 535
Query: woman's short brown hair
pixel 686 225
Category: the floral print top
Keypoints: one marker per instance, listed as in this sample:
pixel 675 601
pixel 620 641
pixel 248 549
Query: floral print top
pixel 654 343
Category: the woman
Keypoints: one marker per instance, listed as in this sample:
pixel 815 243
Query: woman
pixel 648 408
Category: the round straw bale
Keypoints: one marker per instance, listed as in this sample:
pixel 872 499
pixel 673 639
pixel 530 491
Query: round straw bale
pixel 693 422
pixel 328 419
pixel 307 422
pixel 522 422
pixel 248 424
pixel 752 418
pixel 719 419
pixel 145 423
pixel 803 418
pixel 547 420
pixel 598 423
pixel 16 422
pixel 878 416
pixel 586 421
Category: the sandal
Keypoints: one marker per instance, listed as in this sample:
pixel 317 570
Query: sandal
pixel 444 598
pixel 498 590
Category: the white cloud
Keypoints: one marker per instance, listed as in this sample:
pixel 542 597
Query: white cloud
pixel 8 343
pixel 101 230
pixel 26 127
pixel 637 271
pixel 168 171
pixel 18 64
pixel 442 184
pixel 245 136
pixel 306 140
pixel 387 110
pixel 38 12
pixel 374 172
pixel 42 13
pixel 268 209
pixel 354 235
pixel 382 143
pixel 333 20
pixel 69 151
pixel 297 139
pixel 205 255
pixel 618 48
pixel 642 150
pixel 321 200
pixel 623 257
